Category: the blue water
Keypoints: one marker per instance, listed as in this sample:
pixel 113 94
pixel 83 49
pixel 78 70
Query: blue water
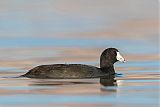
pixel 131 47
pixel 34 32
pixel 44 99
pixel 121 95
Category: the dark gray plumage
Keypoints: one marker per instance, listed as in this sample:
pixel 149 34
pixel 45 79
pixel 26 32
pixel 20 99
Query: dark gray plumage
pixel 77 71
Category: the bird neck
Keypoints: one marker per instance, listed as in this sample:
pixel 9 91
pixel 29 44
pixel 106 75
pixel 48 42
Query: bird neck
pixel 105 61
pixel 108 69
pixel 106 65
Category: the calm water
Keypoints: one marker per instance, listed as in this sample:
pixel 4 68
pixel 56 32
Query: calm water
pixel 35 32
pixel 137 86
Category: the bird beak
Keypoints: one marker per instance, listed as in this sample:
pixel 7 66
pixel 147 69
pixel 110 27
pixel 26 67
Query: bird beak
pixel 120 58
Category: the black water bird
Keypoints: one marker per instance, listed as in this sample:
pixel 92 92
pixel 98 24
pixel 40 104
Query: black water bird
pixel 78 71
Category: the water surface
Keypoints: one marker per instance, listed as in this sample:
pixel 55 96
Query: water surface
pixel 36 32
pixel 137 86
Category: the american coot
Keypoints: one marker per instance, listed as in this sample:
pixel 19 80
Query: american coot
pixel 76 71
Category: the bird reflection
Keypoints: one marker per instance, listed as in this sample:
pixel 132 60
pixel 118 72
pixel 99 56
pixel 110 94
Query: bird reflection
pixel 109 83
pixel 56 82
